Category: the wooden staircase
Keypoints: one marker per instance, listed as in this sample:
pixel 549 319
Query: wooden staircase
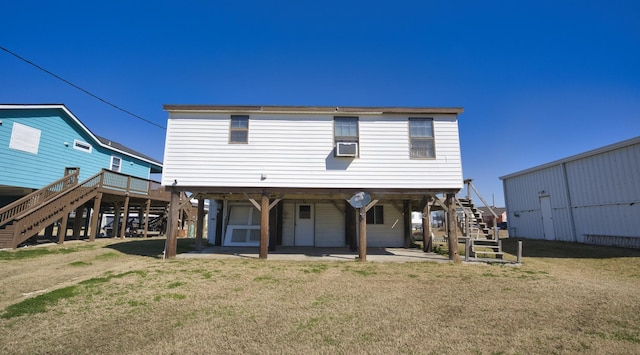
pixel 476 225
pixel 26 217
pixel 29 215
pixel 482 243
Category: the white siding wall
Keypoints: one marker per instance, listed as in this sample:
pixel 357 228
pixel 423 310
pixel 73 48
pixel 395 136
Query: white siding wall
pixel 604 193
pixel 330 229
pixel 297 151
pixel 391 233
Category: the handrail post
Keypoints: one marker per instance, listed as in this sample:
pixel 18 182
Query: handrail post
pixel 129 183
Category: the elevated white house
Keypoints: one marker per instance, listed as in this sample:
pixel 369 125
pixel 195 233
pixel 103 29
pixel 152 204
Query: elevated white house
pixel 286 173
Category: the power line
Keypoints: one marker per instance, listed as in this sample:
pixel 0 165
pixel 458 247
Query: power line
pixel 83 90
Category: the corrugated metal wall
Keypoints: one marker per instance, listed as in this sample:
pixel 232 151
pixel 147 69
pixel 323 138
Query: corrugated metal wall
pixel 594 198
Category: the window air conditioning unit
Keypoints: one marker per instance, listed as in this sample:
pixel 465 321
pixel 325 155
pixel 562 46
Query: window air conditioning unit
pixel 347 149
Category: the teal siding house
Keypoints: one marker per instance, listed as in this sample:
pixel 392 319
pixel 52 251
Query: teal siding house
pixel 39 143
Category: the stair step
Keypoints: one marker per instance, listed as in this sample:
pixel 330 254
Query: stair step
pixel 498 254
pixel 487 247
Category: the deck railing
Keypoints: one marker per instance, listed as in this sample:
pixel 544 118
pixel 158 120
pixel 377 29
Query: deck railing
pixel 131 184
pixel 105 179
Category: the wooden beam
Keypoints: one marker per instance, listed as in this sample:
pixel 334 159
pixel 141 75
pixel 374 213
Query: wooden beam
pixel 408 227
pixel 426 228
pixel 95 217
pixel 125 217
pixel 362 242
pixel 171 246
pixel 371 204
pixel 62 230
pixel 200 224
pixel 256 204
pixel 264 226
pixel 115 226
pixel 147 210
pixel 452 235
pixel 351 226
pixel 77 222
pixel 275 202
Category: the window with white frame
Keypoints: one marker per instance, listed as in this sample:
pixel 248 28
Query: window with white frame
pixel 375 215
pixel 82 146
pixel 346 129
pixel 421 140
pixel 239 129
pixel 116 163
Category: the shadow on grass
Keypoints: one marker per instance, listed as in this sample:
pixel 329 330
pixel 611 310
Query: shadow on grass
pixel 150 247
pixel 553 249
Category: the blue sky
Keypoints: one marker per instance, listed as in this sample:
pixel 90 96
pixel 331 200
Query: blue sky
pixel 539 80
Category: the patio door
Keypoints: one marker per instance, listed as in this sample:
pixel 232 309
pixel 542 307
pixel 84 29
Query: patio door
pixel 304 225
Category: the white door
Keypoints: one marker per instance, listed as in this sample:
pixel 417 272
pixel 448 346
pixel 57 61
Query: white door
pixel 547 218
pixel 304 225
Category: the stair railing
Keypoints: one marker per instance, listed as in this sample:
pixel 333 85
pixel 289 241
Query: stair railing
pixel 469 218
pixel 58 203
pixel 36 198
pixel 495 216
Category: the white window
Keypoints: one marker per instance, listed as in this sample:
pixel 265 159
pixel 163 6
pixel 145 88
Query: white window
pixel 421 138
pixel 239 130
pixel 83 146
pixel 25 138
pixel 116 163
pixel 346 136
pixel 346 129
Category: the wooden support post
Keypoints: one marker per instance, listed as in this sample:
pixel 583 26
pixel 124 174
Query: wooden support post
pixel 200 224
pixel 147 209
pixel 351 227
pixel 48 232
pixel 115 226
pixel 87 220
pixel 275 225
pixel 125 217
pixel 426 228
pixel 362 241
pixel 171 246
pixel 95 217
pixel 62 229
pixel 77 222
pixel 408 226
pixel 452 235
pixel 264 226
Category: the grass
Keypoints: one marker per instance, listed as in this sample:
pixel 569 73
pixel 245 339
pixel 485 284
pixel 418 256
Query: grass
pixel 121 297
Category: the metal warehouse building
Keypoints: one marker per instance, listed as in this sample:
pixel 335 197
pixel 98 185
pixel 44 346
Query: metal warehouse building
pixel 592 198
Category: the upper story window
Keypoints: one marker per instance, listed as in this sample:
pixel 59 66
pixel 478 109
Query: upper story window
pixel 421 138
pixel 375 215
pixel 116 163
pixel 83 146
pixel 345 134
pixel 239 129
pixel 346 129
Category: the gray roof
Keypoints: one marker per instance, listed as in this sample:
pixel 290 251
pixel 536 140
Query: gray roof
pixel 125 149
